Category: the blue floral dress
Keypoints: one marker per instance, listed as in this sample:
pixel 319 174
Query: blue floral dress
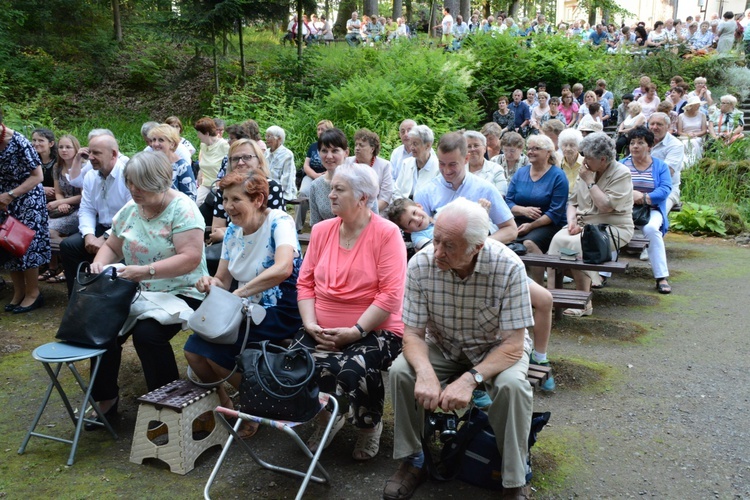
pixel 17 161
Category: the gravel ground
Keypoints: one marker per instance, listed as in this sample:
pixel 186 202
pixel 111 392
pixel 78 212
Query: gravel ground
pixel 649 403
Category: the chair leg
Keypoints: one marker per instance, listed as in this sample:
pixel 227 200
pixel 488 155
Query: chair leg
pixel 86 400
pixel 45 400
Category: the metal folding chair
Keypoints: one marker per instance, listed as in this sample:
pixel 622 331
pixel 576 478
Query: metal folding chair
pixel 288 428
pixel 59 354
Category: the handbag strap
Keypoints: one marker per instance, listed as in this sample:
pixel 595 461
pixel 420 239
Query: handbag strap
pixel 310 367
pixel 113 270
pixel 617 246
pixel 211 385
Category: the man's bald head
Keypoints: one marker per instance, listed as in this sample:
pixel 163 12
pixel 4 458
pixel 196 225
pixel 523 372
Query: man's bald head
pixel 103 153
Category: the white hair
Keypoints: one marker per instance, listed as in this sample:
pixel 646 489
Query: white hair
pixel 276 131
pixel 473 134
pixel 100 131
pixel 361 178
pixel 477 220
pixel 423 133
pixel 663 116
pixel 570 136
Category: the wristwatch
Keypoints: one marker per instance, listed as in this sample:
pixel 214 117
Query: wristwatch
pixel 151 270
pixel 362 331
pixel 478 378
pixel 12 195
pixel 591 185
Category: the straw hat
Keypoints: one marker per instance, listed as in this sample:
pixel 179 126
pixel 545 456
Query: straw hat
pixel 693 101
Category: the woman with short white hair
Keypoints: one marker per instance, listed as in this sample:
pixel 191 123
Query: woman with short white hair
pixel 419 169
pixel 476 145
pixel 350 296
pixel 281 162
pixel 569 143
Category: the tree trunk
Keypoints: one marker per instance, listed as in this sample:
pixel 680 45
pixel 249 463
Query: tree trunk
pixel 216 61
pixel 370 8
pixel 243 82
pixel 397 8
pixel 592 17
pixel 513 12
pixel 116 20
pixel 299 30
pixel 431 20
pixel 486 8
pixel 465 10
pixel 409 11
pixel 346 7
pixel 224 42
pixel 452 5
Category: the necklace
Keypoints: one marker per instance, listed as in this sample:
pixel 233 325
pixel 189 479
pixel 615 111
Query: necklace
pixel 349 241
pixel 157 213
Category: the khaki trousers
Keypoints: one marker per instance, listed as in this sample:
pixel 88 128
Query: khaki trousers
pixel 509 413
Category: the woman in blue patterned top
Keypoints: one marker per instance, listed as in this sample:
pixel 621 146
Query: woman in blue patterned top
pixel 652 183
pixel 262 253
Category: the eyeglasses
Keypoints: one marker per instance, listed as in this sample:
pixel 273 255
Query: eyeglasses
pixel 234 160
pixel 726 102
pixel 534 149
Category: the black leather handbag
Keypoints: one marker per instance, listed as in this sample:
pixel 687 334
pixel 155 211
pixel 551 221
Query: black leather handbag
pixel 595 246
pixel 641 215
pixel 278 383
pixel 98 308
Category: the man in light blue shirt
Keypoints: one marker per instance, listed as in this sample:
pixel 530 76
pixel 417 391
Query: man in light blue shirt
pixel 456 182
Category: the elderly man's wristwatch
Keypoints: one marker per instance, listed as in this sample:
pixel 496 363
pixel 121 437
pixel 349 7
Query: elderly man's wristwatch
pixel 478 378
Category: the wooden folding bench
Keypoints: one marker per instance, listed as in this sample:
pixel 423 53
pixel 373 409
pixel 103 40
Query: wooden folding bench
pixel 636 245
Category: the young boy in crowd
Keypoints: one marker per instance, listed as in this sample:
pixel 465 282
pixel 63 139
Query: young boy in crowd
pixel 412 219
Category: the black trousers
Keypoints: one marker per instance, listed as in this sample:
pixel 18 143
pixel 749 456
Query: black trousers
pixel 73 252
pixel 151 342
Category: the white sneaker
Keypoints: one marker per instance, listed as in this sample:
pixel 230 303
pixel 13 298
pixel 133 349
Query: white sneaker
pixel 567 279
pixel 644 254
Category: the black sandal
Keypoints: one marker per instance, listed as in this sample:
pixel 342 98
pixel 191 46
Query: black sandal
pixel 49 273
pixel 663 287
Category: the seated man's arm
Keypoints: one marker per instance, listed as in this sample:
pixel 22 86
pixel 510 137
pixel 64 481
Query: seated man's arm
pixel 458 394
pixel 506 232
pixel 427 387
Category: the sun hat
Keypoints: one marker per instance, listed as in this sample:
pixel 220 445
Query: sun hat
pixel 588 124
pixel 693 101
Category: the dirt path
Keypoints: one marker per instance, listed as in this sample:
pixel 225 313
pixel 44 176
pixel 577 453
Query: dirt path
pixel 650 402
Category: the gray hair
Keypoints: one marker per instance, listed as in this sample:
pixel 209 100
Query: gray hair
pixel 100 131
pixel 473 134
pixel 423 133
pixel 149 171
pixel 276 131
pixel 570 136
pixel 598 145
pixel 146 128
pixel 663 116
pixel 361 178
pixel 477 220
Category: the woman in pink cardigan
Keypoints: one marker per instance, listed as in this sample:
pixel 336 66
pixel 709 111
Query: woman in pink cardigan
pixel 350 292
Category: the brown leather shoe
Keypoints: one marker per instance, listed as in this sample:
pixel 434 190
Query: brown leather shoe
pixel 520 493
pixel 404 482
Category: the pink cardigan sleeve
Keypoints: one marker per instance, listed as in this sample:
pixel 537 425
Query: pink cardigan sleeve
pixel 306 277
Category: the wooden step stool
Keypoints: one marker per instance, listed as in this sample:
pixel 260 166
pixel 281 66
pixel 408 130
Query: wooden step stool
pixel 176 407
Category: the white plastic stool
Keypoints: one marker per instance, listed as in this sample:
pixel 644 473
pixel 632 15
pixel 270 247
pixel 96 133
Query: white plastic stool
pixel 175 407
pixel 59 354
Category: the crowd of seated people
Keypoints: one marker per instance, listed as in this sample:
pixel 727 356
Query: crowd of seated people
pixel 532 183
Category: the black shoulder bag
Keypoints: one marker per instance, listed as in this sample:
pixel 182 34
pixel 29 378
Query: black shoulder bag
pixel 98 308
pixel 595 246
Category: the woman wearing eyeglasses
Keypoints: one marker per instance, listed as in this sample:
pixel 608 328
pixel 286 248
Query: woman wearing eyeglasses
pixel 244 156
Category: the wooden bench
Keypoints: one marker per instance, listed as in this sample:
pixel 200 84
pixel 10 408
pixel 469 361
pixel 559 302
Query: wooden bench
pixel 636 245
pixel 538 375
pixel 558 264
pixel 570 299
